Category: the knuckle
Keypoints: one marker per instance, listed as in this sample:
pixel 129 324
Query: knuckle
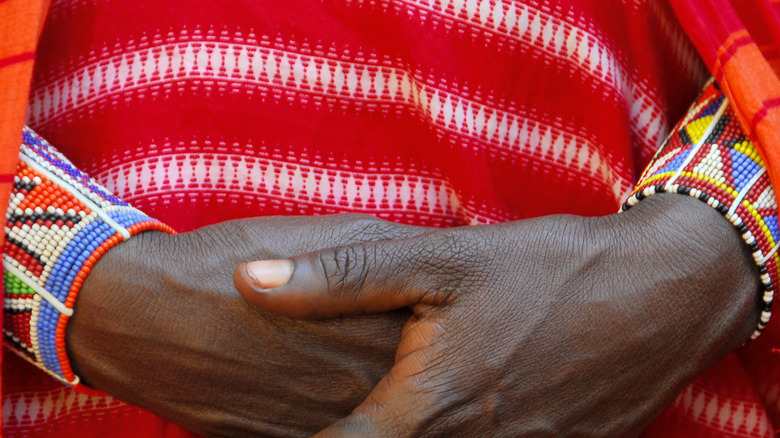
pixel 365 228
pixel 454 254
pixel 467 261
pixel 458 261
pixel 346 268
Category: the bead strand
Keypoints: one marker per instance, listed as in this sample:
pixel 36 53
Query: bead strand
pixel 59 223
pixel 726 173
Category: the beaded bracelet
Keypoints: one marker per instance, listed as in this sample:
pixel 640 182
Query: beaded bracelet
pixel 59 223
pixel 707 156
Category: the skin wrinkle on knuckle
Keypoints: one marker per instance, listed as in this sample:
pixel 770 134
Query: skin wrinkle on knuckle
pixel 422 403
pixel 383 270
pixel 362 228
pixel 371 229
pixel 447 259
pixel 345 270
pixel 387 416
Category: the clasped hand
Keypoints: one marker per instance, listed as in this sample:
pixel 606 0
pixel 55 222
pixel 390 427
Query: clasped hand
pixel 557 326
pixel 554 326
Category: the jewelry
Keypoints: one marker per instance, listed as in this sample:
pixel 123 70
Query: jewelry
pixel 707 156
pixel 59 223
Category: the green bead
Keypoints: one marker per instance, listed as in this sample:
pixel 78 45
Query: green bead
pixel 15 286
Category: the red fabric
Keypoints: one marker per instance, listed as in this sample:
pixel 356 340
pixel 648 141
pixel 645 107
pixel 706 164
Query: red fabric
pixel 432 112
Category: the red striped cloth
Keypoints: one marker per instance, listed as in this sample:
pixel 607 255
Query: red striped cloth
pixel 432 112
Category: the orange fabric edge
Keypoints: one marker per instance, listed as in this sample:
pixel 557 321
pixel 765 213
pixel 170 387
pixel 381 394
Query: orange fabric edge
pixel 748 75
pixel 22 22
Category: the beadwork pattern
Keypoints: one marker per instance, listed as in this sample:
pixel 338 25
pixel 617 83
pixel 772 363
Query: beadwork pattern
pixel 59 222
pixel 707 156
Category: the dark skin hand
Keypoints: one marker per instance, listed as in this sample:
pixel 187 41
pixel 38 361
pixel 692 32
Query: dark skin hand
pixel 556 326
pixel 159 324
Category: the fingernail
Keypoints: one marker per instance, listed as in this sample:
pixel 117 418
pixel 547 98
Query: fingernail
pixel 268 274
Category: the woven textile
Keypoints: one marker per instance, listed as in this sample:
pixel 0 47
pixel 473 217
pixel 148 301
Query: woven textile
pixel 434 113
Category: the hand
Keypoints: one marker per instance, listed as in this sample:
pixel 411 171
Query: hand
pixel 558 326
pixel 159 324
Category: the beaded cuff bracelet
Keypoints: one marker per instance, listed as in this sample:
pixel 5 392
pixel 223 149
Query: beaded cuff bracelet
pixel 707 156
pixel 59 222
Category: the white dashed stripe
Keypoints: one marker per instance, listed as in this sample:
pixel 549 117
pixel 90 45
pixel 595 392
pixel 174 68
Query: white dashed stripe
pixel 504 132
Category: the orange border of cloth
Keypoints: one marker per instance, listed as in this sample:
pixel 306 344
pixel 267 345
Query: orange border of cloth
pixel 22 21
pixel 740 43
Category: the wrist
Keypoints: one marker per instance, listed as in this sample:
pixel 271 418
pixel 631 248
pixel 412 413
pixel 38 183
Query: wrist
pixel 111 298
pixel 697 268
pixel 59 224
pixel 708 157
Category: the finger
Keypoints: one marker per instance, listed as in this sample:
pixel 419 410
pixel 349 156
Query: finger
pixel 360 278
pixel 397 406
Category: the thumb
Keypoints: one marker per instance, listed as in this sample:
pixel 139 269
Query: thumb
pixel 360 278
